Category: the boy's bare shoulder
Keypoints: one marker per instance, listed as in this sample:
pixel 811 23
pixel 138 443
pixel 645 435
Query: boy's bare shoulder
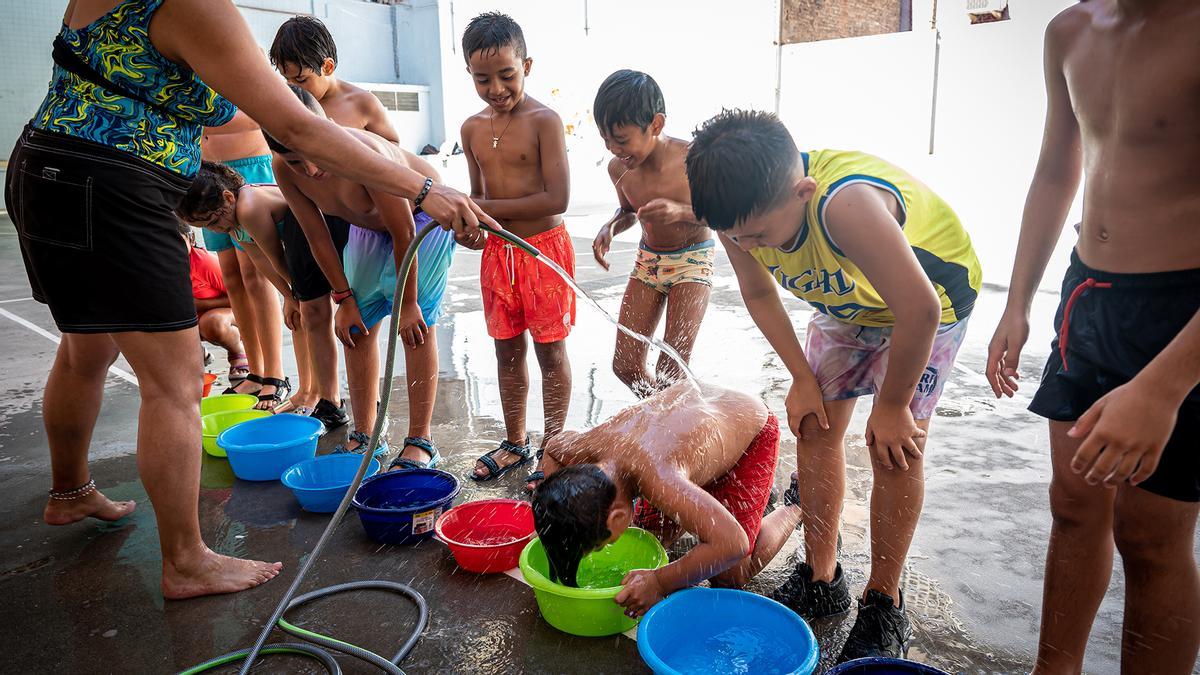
pixel 1068 23
pixel 361 100
pixel 474 121
pixel 539 113
pixel 615 169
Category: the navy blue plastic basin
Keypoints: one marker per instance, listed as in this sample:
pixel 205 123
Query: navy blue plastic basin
pixel 401 507
pixel 879 665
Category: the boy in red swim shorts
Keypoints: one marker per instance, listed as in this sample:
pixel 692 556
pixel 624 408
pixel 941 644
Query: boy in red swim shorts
pixel 700 458
pixel 517 157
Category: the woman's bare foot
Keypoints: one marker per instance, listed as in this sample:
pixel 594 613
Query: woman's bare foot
pixel 212 574
pixel 95 505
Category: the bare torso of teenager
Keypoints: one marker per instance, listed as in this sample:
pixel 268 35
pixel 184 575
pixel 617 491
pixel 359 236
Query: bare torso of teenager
pixel 1134 82
pixel 216 146
pixel 348 107
pixel 513 168
pixel 667 179
pixel 704 431
pixel 350 201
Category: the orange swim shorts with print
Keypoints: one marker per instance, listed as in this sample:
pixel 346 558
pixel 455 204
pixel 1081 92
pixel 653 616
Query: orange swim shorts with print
pixel 520 293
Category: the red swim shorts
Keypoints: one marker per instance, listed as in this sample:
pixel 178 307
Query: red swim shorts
pixel 743 491
pixel 520 293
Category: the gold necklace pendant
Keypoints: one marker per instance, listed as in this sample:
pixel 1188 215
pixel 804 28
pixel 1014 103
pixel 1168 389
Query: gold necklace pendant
pixel 495 142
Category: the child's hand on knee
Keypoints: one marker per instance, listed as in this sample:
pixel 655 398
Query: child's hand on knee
pixel 804 400
pixel 891 434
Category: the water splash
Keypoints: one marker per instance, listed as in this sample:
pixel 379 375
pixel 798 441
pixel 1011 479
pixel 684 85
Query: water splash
pixel 648 340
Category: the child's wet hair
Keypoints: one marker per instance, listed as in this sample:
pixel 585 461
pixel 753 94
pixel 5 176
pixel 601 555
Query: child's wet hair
pixel 490 32
pixel 303 41
pixel 740 163
pixel 309 102
pixel 570 513
pixel 627 97
pixel 206 193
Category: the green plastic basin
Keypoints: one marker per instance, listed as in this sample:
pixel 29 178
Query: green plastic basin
pixel 213 424
pixel 590 610
pixel 223 402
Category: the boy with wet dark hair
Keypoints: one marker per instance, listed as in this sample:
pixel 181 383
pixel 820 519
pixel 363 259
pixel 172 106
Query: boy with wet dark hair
pixel 517 157
pixel 696 458
pixel 1120 388
pixel 305 54
pixel 364 281
pixel 675 257
pixel 892 276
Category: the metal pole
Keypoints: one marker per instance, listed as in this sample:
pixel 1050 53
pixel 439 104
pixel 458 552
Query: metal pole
pixel 937 58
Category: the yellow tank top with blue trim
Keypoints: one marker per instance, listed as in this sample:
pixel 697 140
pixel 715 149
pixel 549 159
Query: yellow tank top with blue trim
pixel 815 270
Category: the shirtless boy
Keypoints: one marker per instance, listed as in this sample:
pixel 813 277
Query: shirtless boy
pixel 1120 386
pixel 517 156
pixel 675 258
pixel 700 458
pixel 383 226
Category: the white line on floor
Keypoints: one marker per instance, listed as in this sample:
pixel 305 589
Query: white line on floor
pixel 5 302
pixel 55 339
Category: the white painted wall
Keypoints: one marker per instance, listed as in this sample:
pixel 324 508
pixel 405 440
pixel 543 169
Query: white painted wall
pixel 874 94
pixel 703 54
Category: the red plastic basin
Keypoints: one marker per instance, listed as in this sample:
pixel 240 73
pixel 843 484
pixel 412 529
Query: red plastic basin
pixel 487 535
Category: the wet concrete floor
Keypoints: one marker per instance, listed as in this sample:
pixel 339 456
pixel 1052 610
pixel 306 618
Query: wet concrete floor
pixel 85 598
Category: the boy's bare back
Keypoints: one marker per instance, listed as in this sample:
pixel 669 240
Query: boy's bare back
pixel 642 184
pixel 705 431
pixel 514 167
pixel 1130 71
pixel 351 201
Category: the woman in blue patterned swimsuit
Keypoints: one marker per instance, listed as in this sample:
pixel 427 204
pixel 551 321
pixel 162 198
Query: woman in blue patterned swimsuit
pixel 91 186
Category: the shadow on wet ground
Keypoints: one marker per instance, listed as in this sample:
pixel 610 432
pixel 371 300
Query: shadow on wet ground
pixel 85 598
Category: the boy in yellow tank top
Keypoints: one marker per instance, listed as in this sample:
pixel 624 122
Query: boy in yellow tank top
pixel 892 276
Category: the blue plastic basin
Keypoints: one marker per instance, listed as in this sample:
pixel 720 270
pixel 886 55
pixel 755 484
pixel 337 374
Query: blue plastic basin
pixel 720 630
pixel 320 483
pixel 401 507
pixel 879 665
pixel 263 449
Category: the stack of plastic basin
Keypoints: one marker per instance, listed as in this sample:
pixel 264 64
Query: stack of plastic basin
pixel 263 449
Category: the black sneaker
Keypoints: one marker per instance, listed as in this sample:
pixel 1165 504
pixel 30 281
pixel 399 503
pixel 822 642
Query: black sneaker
pixel 332 416
pixel 814 599
pixel 881 629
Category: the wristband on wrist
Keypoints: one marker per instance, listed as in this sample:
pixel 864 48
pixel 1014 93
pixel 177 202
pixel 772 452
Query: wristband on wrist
pixel 424 193
pixel 340 296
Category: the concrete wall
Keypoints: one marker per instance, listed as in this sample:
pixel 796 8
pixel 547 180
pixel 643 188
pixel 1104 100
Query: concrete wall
pixel 875 94
pixel 369 38
pixel 27 29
